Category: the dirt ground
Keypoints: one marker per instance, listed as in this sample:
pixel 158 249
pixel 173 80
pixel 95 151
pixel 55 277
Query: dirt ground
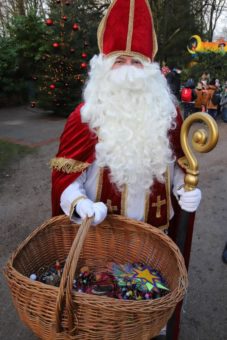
pixel 25 203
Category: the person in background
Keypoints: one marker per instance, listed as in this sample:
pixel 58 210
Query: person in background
pixel 205 78
pixel 199 97
pixel 218 93
pixel 204 97
pixel 223 108
pixel 211 105
pixel 174 81
pixel 217 84
pixel 188 96
pixel 165 69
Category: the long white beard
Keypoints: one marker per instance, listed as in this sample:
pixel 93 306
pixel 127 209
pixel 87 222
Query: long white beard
pixel 131 110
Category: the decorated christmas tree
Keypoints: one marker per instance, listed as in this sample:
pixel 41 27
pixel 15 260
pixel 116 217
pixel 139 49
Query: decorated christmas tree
pixel 70 42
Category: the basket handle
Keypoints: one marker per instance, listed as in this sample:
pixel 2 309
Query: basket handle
pixel 65 288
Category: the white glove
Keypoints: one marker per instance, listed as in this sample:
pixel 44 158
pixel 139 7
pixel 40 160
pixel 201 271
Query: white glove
pixel 189 200
pixel 87 208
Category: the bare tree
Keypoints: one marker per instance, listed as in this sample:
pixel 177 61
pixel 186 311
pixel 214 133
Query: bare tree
pixel 11 8
pixel 212 12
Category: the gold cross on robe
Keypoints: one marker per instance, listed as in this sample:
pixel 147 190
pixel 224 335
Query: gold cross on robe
pixel 159 204
pixel 111 209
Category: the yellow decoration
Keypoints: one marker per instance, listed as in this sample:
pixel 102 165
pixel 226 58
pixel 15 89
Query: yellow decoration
pixel 146 275
pixel 196 45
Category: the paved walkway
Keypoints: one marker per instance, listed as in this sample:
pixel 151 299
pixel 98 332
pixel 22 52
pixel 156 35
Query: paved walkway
pixel 31 127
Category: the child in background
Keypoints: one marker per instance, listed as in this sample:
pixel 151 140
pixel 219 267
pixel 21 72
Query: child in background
pixel 204 97
pixel 188 96
pixel 212 106
pixel 199 98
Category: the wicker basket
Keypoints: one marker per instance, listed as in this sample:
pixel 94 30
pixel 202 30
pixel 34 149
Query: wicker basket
pixel 60 313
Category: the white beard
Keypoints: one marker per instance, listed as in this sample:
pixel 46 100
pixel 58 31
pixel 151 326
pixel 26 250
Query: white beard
pixel 131 110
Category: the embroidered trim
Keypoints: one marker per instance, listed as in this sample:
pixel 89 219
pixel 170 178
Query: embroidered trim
pixel 155 43
pixel 130 25
pixel 168 190
pixel 124 196
pixel 102 27
pixel 100 34
pixel 158 206
pixel 74 203
pixel 128 53
pixel 99 185
pixel 146 205
pixel 68 165
pixel 147 201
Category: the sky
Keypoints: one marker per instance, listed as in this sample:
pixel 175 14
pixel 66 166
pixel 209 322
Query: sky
pixel 221 24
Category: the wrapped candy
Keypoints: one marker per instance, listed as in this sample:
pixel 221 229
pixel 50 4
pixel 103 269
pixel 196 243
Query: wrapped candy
pixel 128 281
pixel 139 280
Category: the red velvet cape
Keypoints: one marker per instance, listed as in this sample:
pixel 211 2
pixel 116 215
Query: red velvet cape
pixel 78 143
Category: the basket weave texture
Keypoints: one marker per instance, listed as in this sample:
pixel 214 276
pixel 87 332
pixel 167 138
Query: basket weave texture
pixel 60 313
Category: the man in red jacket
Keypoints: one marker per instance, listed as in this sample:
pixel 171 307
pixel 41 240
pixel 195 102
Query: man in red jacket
pixel 119 149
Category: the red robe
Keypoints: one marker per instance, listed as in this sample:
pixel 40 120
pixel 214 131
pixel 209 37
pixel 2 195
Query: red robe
pixel 77 151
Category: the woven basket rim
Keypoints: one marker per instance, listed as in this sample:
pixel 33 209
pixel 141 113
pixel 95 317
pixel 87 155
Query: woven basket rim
pixel 171 298
pixel 143 225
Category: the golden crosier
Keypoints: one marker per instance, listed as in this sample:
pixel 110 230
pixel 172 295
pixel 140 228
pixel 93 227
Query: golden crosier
pixel 202 141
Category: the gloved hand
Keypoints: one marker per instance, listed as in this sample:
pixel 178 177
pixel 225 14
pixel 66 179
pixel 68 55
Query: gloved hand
pixel 87 208
pixel 189 200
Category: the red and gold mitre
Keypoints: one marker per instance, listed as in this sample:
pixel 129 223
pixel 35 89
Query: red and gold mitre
pixel 128 28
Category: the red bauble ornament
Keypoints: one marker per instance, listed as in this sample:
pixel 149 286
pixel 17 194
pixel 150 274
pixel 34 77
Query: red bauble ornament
pixel 52 86
pixel 33 104
pixel 34 78
pixel 64 18
pixel 84 55
pixel 83 65
pixel 75 27
pixel 49 22
pixel 58 1
pixel 67 3
pixel 72 50
pixel 55 44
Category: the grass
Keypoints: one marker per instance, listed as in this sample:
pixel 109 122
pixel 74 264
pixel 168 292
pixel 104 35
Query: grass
pixel 10 152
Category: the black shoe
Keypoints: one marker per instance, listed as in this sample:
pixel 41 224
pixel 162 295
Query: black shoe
pixel 159 337
pixel 224 254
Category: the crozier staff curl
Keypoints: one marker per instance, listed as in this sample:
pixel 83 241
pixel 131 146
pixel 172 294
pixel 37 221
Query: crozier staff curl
pixel 202 141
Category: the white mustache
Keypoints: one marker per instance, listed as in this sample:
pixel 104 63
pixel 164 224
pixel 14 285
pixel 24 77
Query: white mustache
pixel 128 76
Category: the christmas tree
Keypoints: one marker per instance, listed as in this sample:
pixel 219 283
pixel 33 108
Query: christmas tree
pixel 70 42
